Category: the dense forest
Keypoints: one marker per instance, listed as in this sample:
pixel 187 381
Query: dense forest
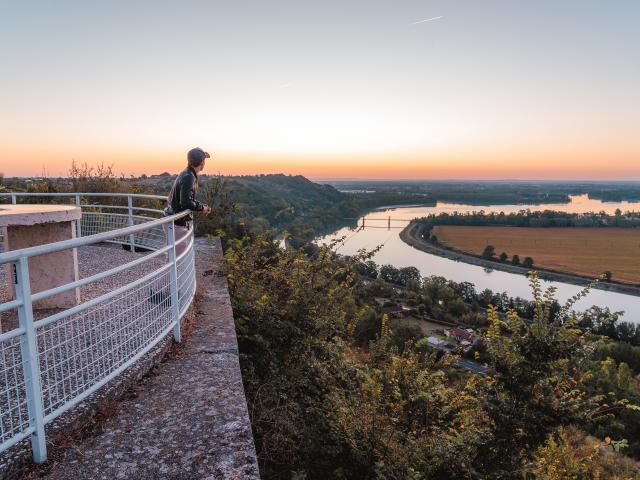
pixel 336 389
pixel 498 192
pixel 337 392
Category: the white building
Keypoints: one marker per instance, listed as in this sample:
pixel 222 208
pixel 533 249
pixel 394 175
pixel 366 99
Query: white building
pixel 436 342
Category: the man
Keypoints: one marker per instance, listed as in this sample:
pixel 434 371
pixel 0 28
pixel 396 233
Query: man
pixel 183 195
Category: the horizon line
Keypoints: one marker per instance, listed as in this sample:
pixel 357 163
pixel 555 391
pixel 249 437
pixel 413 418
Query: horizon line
pixel 460 179
pixel 371 179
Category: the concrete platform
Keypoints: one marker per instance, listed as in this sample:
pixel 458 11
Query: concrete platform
pixel 31 225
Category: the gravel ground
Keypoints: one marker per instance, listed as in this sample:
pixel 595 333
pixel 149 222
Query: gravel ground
pixel 92 259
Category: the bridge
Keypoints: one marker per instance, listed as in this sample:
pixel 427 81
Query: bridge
pixel 365 222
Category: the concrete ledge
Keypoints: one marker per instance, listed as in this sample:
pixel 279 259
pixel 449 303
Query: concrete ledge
pixel 11 215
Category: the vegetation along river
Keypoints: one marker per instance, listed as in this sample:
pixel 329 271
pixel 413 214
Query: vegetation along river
pixel 397 253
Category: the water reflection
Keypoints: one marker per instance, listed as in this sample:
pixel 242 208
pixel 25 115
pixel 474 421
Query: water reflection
pixel 399 254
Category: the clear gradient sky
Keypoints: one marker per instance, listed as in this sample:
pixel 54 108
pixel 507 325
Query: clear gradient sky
pixel 327 89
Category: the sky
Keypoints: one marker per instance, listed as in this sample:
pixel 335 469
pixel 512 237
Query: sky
pixel 482 89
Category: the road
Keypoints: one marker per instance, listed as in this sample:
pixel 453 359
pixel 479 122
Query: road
pixel 472 366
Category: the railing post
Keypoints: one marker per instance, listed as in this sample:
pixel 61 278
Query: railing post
pixel 13 199
pixel 173 272
pixel 30 361
pixel 132 240
pixel 78 226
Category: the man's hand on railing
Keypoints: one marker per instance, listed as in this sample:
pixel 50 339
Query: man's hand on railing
pixel 206 209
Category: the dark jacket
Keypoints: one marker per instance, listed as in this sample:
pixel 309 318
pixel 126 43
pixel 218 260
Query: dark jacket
pixel 183 196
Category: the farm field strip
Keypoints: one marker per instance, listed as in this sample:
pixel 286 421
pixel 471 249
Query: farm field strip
pixel 584 251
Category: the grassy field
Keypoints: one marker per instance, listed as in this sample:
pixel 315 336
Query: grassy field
pixel 585 251
pixel 428 328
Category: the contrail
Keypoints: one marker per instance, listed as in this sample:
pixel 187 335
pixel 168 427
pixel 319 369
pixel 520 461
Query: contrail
pixel 428 20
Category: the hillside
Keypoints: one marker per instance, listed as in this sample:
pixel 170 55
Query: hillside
pixel 256 203
pixel 285 203
pixel 280 199
pixel 293 203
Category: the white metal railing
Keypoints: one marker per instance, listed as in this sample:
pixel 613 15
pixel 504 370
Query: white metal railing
pixel 49 365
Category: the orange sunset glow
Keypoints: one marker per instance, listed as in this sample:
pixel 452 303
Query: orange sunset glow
pixel 491 91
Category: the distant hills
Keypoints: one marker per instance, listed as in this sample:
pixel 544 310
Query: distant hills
pixel 306 208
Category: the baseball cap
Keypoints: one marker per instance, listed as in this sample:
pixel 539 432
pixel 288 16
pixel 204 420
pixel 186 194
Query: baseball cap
pixel 197 155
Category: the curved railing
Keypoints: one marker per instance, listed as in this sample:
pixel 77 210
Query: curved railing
pixel 48 365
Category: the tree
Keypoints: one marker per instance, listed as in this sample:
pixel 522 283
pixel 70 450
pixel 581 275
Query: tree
pixel 528 262
pixel 569 454
pixel 293 312
pixel 100 178
pixel 457 307
pixel 367 327
pixel 403 332
pixel 215 193
pixel 538 377
pixel 413 285
pixel 623 376
pixel 408 273
pixel 368 269
pixel 608 368
pixel 503 257
pixel 489 252
pixel 622 353
pixel 390 274
pixel 404 422
pixel 628 332
pixel 515 260
pixel 602 320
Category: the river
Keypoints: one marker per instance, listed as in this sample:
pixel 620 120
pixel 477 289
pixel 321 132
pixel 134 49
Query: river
pixel 397 253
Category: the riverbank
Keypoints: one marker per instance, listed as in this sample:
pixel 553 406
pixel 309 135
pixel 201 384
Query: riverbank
pixel 411 236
